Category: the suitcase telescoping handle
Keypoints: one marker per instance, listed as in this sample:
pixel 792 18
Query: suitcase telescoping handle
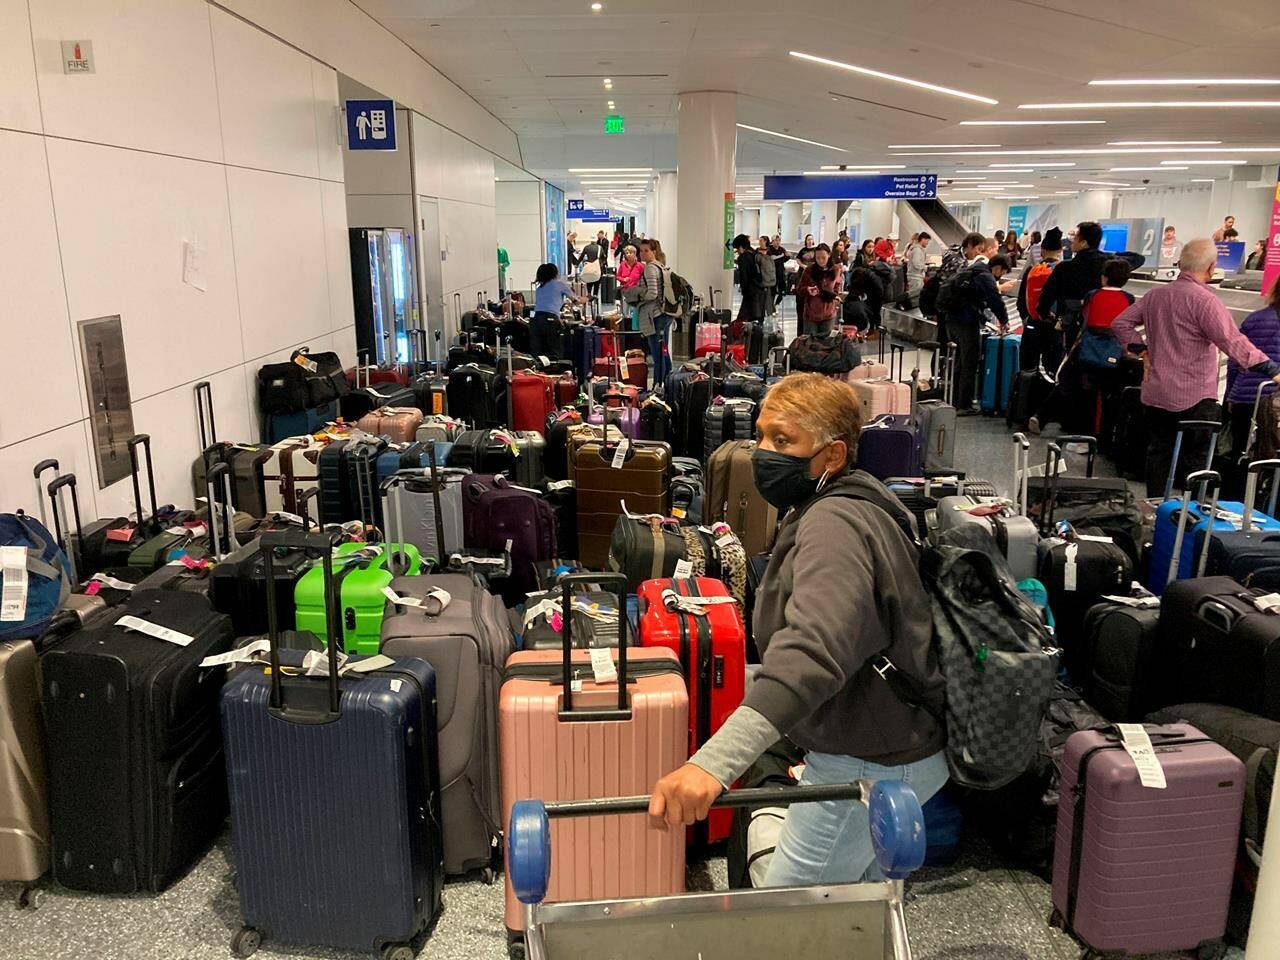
pixel 1211 480
pixel 1253 421
pixel 1091 454
pixel 1210 427
pixel 54 490
pixel 1021 470
pixel 745 797
pixel 40 468
pixel 304 511
pixel 211 455
pixel 313 545
pixel 511 379
pixel 605 580
pixel 219 525
pixel 204 413
pixel 1251 490
pixel 144 441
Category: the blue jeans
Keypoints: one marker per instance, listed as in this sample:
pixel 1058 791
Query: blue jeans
pixel 830 842
pixel 659 357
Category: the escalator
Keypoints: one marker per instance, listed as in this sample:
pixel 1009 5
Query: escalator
pixel 938 220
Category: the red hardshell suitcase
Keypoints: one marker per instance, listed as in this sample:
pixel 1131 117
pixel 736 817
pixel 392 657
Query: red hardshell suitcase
pixel 1138 869
pixel 566 390
pixel 565 736
pixel 533 397
pixel 711 642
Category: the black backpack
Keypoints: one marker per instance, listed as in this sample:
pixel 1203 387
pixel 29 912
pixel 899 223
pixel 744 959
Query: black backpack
pixel 929 296
pixel 857 312
pixel 955 291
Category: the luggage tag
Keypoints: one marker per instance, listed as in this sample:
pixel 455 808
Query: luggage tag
pixel 1069 569
pixel 138 625
pixel 121 534
pixel 191 563
pixel 555 485
pixel 1267 603
pixel 306 363
pixel 440 596
pixel 602 665
pixel 683 571
pixel 316 663
pixel 245 654
pixel 622 368
pixel 13 600
pixel 620 454
pixel 106 580
pixel 1137 743
pixel 379 661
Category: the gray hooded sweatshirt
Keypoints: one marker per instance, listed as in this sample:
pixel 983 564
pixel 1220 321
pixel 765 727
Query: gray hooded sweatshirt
pixel 842 588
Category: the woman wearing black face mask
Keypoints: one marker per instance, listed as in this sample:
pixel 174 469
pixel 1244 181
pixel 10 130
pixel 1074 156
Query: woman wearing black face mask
pixel 840 600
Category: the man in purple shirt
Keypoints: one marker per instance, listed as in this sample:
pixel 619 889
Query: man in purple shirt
pixel 1185 326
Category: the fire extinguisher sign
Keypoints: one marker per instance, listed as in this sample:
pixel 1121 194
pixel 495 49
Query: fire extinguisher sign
pixel 77 56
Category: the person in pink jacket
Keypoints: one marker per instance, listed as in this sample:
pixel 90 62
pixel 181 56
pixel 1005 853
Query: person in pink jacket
pixel 630 271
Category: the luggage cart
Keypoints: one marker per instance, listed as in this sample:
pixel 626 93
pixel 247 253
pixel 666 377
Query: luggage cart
pixel 852 921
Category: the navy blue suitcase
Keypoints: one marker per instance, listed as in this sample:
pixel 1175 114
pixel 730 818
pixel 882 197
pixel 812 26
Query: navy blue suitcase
pixel 335 795
pixel 889 447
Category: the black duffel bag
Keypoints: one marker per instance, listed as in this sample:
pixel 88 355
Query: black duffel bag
pixel 326 381
pixel 832 354
pixel 282 388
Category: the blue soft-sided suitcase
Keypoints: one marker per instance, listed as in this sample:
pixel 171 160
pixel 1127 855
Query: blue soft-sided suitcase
pixel 1166 532
pixel 335 813
pixel 889 447
pixel 999 364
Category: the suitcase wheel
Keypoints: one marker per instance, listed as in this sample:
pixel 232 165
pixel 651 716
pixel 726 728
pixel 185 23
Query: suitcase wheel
pixel 28 897
pixel 529 851
pixel 398 951
pixel 246 941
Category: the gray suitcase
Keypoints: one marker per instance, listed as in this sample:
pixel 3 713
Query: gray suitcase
pixel 411 497
pixel 468 643
pixel 440 429
pixel 936 422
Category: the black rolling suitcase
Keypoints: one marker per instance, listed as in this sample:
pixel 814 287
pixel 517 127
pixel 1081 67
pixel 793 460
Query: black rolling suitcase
pixel 655 421
pixel 472 395
pixel 137 782
pixel 481 451
pixel 335 504
pixel 1121 647
pixel 727 420
pixel 335 794
pixel 1251 552
pixel 1218 646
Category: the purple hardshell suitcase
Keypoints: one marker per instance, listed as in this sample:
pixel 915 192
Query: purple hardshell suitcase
pixel 627 419
pixel 889 446
pixel 1141 869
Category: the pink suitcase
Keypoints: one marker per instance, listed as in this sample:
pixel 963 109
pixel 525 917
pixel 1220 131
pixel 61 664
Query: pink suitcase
pixel 706 339
pixel 867 370
pixel 584 744
pixel 398 424
pixel 1140 869
pixel 882 396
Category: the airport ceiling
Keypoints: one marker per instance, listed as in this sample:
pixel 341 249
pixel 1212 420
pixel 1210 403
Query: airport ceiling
pixel 540 66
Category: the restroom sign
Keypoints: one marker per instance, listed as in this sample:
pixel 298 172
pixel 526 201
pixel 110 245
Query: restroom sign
pixel 77 56
pixel 371 125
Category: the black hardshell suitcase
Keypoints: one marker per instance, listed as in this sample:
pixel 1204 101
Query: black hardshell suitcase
pixel 472 395
pixel 730 420
pixel 248 490
pixel 335 504
pixel 335 796
pixel 1250 552
pixel 137 783
pixel 1121 644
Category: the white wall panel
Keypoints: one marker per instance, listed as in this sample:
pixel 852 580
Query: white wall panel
pixel 19 103
pixel 337 255
pixel 281 272
pixel 1185 208
pixel 37 339
pixel 329 130
pixel 69 447
pixel 154 86
pixel 123 219
pixel 266 96
pixel 428 145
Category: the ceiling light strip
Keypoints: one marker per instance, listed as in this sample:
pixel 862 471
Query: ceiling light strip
pixel 893 77
pixel 787 136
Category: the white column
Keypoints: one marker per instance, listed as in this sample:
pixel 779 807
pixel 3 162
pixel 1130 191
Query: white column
pixel 822 222
pixel 876 219
pixel 994 216
pixel 792 224
pixel 1264 928
pixel 663 225
pixel 705 161
pixel 751 222
pixel 769 214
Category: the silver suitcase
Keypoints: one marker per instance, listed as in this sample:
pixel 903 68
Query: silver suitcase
pixel 441 429
pixel 410 497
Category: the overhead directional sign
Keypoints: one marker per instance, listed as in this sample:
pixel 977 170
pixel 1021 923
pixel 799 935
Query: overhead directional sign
pixel 904 186
pixel 587 214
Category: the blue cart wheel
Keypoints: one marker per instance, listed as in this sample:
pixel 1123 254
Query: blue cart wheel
pixel 897 828
pixel 529 850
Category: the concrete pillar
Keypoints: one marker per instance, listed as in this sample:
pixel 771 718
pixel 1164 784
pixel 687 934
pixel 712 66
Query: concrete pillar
pixel 663 224
pixel 1264 928
pixel 822 222
pixel 705 148
pixel 792 224
pixel 751 222
pixel 876 219
pixel 769 215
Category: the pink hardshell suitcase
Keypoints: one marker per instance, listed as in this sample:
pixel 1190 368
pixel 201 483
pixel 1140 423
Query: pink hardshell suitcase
pixel 879 397
pixel 1139 869
pixel 594 740
pixel 868 370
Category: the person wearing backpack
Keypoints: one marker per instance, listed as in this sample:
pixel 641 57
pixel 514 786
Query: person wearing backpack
pixel 966 298
pixel 768 277
pixel 1041 341
pixel 751 280
pixel 845 632
pixel 657 305
pixel 818 292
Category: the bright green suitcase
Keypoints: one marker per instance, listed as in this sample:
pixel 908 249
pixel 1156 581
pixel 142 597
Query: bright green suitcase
pixel 361 571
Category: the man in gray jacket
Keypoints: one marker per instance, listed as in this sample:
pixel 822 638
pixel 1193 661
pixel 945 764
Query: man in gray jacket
pixel 840 608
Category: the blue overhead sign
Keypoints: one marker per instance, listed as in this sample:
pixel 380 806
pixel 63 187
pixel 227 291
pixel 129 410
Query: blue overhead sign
pixel 906 186
pixel 575 205
pixel 371 125
pixel 587 214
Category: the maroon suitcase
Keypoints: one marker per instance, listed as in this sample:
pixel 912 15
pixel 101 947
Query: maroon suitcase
pixel 1141 869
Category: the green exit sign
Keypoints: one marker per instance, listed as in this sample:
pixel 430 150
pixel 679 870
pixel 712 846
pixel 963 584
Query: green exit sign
pixel 613 124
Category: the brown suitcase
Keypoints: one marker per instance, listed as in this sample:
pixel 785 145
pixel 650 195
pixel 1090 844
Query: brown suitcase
pixel 583 433
pixel 398 424
pixel 732 497
pixel 642 482
pixel 24 801
pixel 588 742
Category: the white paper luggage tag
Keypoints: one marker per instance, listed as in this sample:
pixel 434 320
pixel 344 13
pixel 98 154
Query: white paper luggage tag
pixel 1139 603
pixel 620 454
pixel 109 581
pixel 555 485
pixel 378 661
pixel 623 373
pixel 1137 742
pixel 443 597
pixel 316 663
pixel 243 655
pixel 602 665
pixel 1268 603
pixel 154 630
pixel 684 570
pixel 13 601
pixel 1069 571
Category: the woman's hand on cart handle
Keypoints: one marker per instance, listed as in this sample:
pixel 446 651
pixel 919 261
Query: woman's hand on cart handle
pixel 683 797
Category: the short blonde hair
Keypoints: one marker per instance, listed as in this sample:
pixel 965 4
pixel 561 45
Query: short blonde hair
pixel 826 408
